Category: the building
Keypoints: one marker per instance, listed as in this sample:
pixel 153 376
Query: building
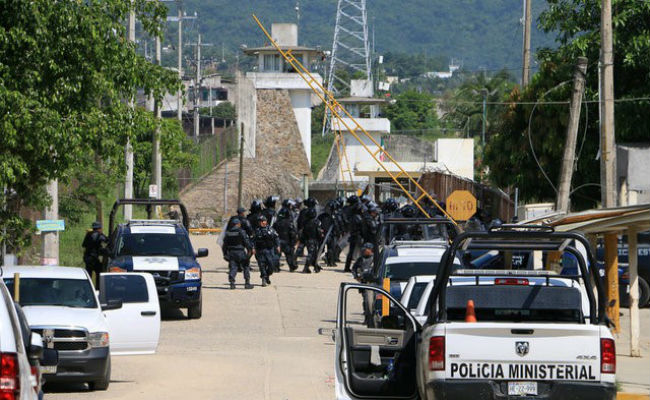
pixel 633 171
pixel 274 73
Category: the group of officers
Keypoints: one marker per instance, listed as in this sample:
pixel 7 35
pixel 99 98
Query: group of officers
pixel 355 221
pixel 299 225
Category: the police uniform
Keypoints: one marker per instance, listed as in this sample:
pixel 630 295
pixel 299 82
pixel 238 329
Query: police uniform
pixel 266 243
pixel 288 235
pixel 331 229
pixel 236 250
pixel 93 249
pixel 311 236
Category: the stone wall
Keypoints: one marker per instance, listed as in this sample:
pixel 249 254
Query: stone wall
pixel 277 169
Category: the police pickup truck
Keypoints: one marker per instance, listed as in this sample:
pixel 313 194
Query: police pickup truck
pixel 488 334
pixel 161 248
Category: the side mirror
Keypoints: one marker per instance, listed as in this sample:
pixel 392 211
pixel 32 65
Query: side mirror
pixel 202 253
pixel 50 358
pixel 113 304
pixel 35 349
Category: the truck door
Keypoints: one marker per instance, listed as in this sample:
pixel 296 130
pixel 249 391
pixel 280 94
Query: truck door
pixel 135 327
pixel 375 345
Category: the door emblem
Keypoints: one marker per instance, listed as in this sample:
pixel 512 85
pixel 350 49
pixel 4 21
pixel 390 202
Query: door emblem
pixel 521 348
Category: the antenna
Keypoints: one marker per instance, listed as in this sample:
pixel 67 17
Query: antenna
pixel 350 47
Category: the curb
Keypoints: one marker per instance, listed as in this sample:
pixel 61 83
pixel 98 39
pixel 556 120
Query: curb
pixel 632 396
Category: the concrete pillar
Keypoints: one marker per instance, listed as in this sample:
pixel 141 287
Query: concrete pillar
pixel 635 350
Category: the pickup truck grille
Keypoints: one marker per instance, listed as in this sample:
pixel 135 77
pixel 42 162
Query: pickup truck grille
pixel 166 278
pixel 64 339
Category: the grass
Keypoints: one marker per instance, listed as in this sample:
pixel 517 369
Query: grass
pixel 320 149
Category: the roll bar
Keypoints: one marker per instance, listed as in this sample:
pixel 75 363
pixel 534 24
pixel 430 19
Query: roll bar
pixel 148 203
pixel 531 238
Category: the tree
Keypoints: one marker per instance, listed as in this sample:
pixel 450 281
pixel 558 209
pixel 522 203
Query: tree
pixel 65 71
pixel 412 110
pixel 510 154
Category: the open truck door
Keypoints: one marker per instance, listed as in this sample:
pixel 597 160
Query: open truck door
pixel 134 328
pixel 375 345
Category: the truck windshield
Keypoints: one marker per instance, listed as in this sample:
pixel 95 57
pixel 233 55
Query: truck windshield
pixel 76 293
pixel 154 244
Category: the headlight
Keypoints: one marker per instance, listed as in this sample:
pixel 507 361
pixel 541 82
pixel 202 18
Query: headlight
pixel 193 274
pixel 98 339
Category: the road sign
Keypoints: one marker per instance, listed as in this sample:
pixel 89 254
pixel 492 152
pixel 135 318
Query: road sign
pixel 461 205
pixel 50 225
pixel 153 191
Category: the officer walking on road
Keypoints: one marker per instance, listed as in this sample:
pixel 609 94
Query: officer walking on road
pixel 245 224
pixel 237 249
pixel 363 267
pixel 286 230
pixel 93 245
pixel 267 243
pixel 312 234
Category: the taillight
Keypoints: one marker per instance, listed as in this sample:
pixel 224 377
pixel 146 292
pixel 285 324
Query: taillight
pixel 437 353
pixel 511 281
pixel 115 268
pixel 35 377
pixel 9 378
pixel 607 356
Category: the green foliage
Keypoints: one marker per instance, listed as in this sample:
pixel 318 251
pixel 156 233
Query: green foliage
pixel 578 22
pixel 412 65
pixel 225 110
pixel 483 33
pixel 65 69
pixel 412 110
pixel 320 150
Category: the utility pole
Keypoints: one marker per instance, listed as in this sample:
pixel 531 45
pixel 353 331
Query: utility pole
pixel 179 95
pixel 525 73
pixel 128 151
pixel 156 162
pixel 607 138
pixel 568 161
pixel 197 88
pixel 50 250
pixel 241 166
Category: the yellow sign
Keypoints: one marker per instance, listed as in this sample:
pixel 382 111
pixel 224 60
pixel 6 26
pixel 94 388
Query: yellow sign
pixel 461 205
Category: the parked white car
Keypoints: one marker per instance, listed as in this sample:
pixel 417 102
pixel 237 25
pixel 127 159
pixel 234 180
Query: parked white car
pixel 17 380
pixel 61 304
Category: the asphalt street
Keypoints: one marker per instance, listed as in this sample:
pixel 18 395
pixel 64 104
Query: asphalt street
pixel 250 344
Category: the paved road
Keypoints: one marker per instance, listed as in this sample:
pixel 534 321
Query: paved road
pixel 250 344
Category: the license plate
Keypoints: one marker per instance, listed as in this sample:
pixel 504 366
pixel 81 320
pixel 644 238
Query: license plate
pixel 50 369
pixel 522 388
pixel 192 288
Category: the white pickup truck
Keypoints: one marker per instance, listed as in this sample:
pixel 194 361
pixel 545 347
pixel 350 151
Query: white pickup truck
pixel 488 334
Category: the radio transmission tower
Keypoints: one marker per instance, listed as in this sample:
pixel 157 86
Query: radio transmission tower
pixel 350 48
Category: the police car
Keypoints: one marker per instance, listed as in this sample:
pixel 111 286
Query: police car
pixel 163 249
pixel 488 334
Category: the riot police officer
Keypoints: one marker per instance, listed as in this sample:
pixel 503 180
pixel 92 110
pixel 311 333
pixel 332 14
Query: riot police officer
pixel 309 203
pixel 354 225
pixel 237 249
pixel 370 225
pixel 363 267
pixel 267 245
pixel 311 236
pixel 254 213
pixel 245 224
pixel 269 209
pixel 288 235
pixel 331 228
pixel 93 245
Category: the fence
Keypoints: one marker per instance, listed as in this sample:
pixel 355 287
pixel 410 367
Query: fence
pixel 210 151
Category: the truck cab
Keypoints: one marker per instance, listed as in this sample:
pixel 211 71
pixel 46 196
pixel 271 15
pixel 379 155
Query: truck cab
pixel 487 333
pixel 163 249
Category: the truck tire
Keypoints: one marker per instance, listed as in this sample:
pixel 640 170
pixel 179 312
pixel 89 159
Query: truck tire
pixel 195 311
pixel 103 383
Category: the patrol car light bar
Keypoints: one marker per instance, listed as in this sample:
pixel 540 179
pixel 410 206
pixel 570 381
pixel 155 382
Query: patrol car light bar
pixel 152 222
pixel 148 203
pixel 504 272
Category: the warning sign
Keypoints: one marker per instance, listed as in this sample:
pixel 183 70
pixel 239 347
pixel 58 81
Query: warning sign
pixel 461 205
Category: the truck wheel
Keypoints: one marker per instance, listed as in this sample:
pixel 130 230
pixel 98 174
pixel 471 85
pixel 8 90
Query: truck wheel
pixel 195 311
pixel 644 292
pixel 103 383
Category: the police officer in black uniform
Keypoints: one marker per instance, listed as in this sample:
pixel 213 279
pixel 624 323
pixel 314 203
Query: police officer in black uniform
pixel 363 267
pixel 269 209
pixel 311 236
pixel 254 213
pixel 330 226
pixel 245 224
pixel 237 249
pixel 267 245
pixel 309 203
pixel 288 235
pixel 93 245
pixel 370 226
pixel 354 222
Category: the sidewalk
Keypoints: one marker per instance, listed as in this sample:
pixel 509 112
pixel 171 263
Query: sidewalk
pixel 633 373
